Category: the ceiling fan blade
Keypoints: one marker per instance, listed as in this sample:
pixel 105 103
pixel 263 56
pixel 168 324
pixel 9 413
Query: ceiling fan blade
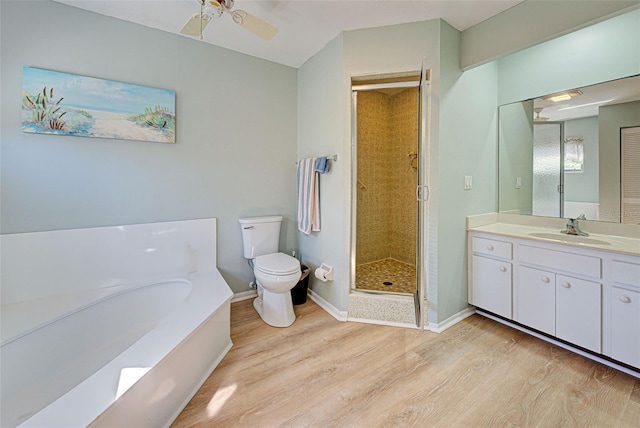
pixel 256 25
pixel 195 25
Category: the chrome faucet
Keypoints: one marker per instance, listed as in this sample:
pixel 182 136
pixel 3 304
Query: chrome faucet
pixel 573 228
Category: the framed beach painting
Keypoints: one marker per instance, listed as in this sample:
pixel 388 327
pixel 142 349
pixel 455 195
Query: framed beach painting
pixel 68 104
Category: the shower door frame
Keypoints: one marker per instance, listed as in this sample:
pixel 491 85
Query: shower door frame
pixel 422 190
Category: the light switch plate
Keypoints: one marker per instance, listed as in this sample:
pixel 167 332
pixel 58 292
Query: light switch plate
pixel 518 182
pixel 467 182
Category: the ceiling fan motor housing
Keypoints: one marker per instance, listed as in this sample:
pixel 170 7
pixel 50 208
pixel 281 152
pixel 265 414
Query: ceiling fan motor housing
pixel 227 3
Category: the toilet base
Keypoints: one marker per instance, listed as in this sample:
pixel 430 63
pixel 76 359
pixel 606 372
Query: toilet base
pixel 276 309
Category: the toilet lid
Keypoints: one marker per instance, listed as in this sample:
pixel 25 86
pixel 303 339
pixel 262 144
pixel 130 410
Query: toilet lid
pixel 277 264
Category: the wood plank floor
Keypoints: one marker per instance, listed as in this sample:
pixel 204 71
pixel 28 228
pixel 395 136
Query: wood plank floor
pixel 324 373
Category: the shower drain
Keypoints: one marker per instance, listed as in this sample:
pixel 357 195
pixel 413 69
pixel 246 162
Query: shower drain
pixel 387 283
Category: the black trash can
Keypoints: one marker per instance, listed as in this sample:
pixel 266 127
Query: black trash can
pixel 299 292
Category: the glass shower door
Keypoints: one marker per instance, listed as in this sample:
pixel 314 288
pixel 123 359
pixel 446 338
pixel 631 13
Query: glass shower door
pixel 422 193
pixel 548 170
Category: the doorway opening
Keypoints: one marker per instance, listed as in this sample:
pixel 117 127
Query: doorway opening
pixel 387 202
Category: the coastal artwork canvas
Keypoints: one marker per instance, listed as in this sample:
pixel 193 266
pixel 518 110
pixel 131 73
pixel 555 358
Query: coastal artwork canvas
pixel 68 104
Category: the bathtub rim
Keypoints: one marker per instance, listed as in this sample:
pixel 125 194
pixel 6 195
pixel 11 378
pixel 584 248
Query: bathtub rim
pixel 73 308
pixel 210 293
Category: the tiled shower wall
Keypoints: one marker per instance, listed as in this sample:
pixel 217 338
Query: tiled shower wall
pixel 387 209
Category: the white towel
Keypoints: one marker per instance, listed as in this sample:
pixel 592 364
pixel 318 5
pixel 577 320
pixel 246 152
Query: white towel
pixel 308 197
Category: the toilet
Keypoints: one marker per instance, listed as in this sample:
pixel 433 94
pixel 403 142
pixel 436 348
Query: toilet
pixel 276 273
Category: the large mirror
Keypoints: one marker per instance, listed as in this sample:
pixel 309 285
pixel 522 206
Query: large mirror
pixel 573 152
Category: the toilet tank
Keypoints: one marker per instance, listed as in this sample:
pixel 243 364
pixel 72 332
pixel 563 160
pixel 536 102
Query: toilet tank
pixel 260 235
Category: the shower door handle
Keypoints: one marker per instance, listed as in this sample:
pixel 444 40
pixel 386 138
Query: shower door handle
pixel 422 195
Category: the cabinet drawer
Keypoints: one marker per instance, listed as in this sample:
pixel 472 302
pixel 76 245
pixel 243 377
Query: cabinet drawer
pixel 625 273
pixel 559 260
pixel 491 247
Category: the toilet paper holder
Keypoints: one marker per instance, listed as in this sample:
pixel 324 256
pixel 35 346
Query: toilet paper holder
pixel 324 272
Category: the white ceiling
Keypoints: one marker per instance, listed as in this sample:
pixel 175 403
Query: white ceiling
pixel 305 26
pixel 594 96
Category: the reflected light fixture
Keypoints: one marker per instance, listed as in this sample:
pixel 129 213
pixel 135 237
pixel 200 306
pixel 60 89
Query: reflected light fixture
pixel 562 96
pixel 587 104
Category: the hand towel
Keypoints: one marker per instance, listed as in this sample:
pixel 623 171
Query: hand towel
pixel 308 197
pixel 322 165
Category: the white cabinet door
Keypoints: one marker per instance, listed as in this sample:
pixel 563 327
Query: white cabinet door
pixel 537 299
pixel 625 326
pixel 578 312
pixel 492 285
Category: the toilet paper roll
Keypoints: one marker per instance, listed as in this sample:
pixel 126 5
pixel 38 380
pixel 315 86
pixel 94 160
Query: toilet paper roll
pixel 321 274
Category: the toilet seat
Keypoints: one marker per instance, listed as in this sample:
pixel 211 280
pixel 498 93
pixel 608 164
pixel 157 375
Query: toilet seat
pixel 277 264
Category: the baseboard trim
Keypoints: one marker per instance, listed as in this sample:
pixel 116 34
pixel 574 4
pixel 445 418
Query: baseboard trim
pixel 244 295
pixel 381 322
pixel 562 345
pixel 451 321
pixel 328 307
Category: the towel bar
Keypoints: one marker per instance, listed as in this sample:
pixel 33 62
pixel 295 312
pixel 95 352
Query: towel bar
pixel 333 158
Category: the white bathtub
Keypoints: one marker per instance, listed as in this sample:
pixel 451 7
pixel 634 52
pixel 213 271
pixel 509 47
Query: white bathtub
pixel 123 355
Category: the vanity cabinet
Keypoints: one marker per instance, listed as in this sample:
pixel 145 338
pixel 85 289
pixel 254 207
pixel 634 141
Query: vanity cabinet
pixel 584 296
pixel 491 276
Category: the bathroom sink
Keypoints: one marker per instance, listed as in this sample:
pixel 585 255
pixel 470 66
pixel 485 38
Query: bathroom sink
pixel 561 237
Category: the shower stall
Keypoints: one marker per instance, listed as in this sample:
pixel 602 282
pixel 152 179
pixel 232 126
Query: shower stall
pixel 387 193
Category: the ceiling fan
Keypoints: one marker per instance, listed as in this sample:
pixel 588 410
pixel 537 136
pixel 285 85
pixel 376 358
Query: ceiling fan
pixel 537 111
pixel 215 9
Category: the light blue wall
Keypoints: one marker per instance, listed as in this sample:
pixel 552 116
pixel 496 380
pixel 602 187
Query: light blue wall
pixel 532 22
pixel 468 120
pixel 515 157
pixel 321 131
pixel 236 133
pixel 605 51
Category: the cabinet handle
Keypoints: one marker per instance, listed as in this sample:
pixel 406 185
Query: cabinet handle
pixel 490 247
pixel 566 284
pixel 503 268
pixel 545 279
pixel 625 299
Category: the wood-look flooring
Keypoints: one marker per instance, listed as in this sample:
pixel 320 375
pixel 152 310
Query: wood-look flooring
pixel 324 373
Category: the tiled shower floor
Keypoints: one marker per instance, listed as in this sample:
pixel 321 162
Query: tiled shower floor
pixel 373 276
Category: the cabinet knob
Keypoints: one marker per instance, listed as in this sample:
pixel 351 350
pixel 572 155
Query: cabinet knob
pixel 625 299
pixel 566 284
pixel 503 268
pixel 490 247
pixel 545 279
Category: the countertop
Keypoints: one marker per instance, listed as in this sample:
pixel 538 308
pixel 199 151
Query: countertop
pixel 610 243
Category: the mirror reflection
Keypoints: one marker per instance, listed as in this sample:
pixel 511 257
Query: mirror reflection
pixel 573 152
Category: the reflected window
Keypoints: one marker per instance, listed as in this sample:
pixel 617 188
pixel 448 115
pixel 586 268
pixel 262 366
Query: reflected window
pixel 573 154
